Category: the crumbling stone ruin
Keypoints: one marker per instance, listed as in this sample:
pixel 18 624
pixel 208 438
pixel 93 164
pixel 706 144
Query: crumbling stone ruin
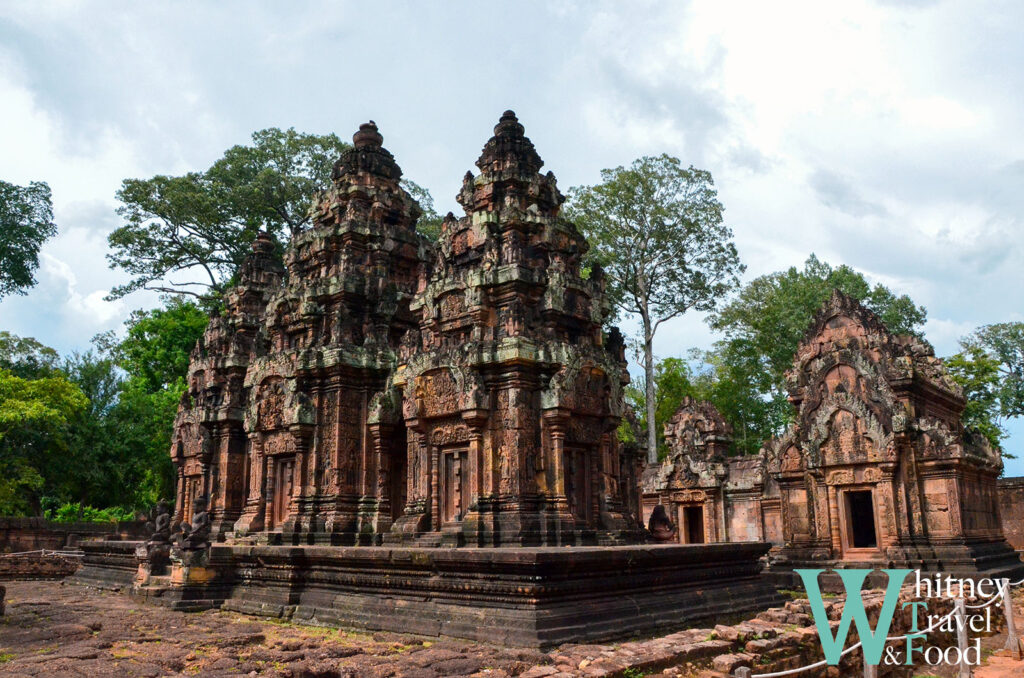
pixel 877 467
pixel 876 470
pixel 709 495
pixel 387 389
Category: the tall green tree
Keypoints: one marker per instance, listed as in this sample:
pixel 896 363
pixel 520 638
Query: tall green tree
pixel 1004 343
pixel 188 234
pixel 27 358
pixel 990 368
pixel 656 228
pixel 763 326
pixel 26 222
pixel 158 343
pixel 34 416
pixel 978 374
pixel 154 354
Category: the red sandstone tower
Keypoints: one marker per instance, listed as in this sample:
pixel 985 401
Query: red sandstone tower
pixel 388 387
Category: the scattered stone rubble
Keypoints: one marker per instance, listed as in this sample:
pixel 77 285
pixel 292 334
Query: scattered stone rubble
pixel 36 566
pixel 53 630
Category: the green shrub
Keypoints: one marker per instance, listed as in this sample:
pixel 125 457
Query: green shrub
pixel 76 513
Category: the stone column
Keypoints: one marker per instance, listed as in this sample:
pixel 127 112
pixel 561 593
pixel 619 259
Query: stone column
pixel 179 494
pixel 557 525
pixel 833 520
pixel 375 503
pixel 477 521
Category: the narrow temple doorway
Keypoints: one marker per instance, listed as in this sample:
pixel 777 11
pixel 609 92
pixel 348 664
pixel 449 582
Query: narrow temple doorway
pixel 399 482
pixel 455 485
pixel 283 486
pixel 577 473
pixel 694 517
pixel 860 520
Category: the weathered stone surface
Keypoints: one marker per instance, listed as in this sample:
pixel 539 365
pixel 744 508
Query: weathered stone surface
pixel 523 596
pixel 878 468
pixel 708 495
pixel 36 566
pixel 32 534
pixel 386 387
pixel 124 638
pixel 1011 511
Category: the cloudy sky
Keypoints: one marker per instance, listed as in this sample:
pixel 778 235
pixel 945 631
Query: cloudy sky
pixel 883 135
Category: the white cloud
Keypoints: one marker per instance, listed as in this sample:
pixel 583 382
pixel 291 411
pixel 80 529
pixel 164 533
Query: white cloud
pixel 881 135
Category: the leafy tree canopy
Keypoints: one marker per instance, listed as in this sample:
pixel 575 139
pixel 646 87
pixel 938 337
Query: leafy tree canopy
pixel 37 404
pixel 187 235
pixel 772 312
pixel 25 357
pixel 26 222
pixel 978 374
pixel 1004 343
pixel 990 368
pixel 34 416
pixel 158 343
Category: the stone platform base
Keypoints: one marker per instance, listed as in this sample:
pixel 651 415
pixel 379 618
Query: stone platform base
pixel 533 597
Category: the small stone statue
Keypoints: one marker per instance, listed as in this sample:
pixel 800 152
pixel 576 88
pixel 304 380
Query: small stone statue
pixel 196 537
pixel 154 555
pixel 161 525
pixel 660 526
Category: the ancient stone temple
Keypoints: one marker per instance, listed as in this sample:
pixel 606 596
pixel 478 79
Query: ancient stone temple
pixel 209 446
pixel 276 426
pixel 709 495
pixel 877 469
pixel 382 396
pixel 457 394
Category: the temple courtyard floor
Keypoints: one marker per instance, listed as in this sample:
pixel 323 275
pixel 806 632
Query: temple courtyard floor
pixel 53 629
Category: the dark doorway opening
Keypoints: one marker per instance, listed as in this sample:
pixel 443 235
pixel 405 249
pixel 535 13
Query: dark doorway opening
pixel 694 517
pixel 577 484
pixel 860 518
pixel 399 483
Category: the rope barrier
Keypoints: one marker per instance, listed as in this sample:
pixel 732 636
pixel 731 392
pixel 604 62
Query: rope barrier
pixel 44 553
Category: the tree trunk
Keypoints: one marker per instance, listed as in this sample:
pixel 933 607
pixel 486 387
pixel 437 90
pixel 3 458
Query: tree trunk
pixel 652 431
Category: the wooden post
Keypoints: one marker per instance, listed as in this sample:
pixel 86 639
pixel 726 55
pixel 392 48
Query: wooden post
pixel 742 672
pixel 961 638
pixel 870 670
pixel 1012 639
